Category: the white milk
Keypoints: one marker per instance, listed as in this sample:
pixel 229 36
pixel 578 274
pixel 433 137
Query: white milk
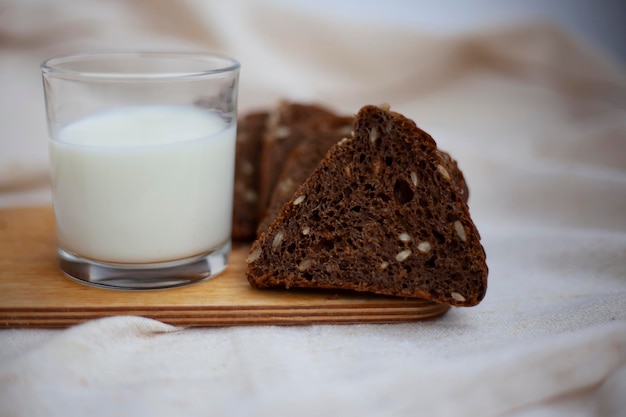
pixel 144 184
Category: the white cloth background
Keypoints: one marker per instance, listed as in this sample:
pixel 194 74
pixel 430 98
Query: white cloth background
pixel 538 124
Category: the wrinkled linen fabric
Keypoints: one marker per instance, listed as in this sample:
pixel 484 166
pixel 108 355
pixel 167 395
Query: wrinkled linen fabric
pixel 537 121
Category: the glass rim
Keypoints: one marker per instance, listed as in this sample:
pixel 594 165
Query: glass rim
pixel 53 66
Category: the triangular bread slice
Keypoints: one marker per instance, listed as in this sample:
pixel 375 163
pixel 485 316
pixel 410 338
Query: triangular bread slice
pixel 380 213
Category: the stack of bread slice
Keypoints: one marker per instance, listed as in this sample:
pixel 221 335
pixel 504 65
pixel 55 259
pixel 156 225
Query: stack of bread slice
pixel 365 203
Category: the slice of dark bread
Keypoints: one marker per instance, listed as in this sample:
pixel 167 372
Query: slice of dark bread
pixel 380 213
pixel 250 131
pixel 317 138
pixel 286 127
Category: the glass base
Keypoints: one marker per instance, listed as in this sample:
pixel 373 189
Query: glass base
pixel 152 276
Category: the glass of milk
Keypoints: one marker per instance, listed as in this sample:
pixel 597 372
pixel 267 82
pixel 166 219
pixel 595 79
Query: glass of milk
pixel 142 151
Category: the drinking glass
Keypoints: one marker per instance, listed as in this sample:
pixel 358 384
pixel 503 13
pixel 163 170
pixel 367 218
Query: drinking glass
pixel 142 153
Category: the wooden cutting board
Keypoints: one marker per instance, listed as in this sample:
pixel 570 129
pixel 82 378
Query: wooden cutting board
pixel 35 293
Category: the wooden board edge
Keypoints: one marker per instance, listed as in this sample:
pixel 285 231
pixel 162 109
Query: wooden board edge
pixel 222 320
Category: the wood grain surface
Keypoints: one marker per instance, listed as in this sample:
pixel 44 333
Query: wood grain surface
pixel 35 293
